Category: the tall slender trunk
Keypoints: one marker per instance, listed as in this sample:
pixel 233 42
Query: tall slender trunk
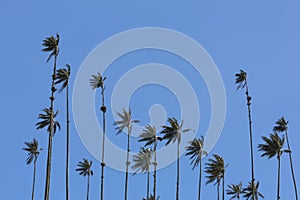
pixel 251 136
pixel 223 187
pixel 148 183
pixel 88 188
pixel 68 143
pixel 154 173
pixel 103 109
pixel 200 179
pixel 278 176
pixel 34 174
pixel 218 190
pixel 48 170
pixel 127 162
pixel 291 164
pixel 177 184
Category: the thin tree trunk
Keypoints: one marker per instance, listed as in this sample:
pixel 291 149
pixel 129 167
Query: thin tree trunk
pixel 218 190
pixel 177 184
pixel 154 174
pixel 33 182
pixel 148 183
pixel 251 136
pixel 68 143
pixel 291 164
pixel 278 176
pixel 200 179
pixel 223 187
pixel 48 170
pixel 88 188
pixel 127 162
pixel 103 109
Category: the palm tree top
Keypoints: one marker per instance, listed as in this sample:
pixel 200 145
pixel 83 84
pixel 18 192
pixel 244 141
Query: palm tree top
pixel 125 121
pixel 241 79
pixel 84 167
pixel 142 160
pixel 32 149
pixel 248 191
pixel 215 169
pixel 235 190
pixel 173 132
pixel 97 81
pixel 149 135
pixel 63 75
pixel 46 119
pixel 195 151
pixel 272 145
pixel 151 198
pixel 281 125
pixel 51 44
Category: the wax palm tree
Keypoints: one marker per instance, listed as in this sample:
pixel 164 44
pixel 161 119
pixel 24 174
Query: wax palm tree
pixel 62 76
pixel 196 153
pixel 172 133
pixel 85 169
pixel 248 192
pixel 149 135
pixel 97 81
pixel 33 151
pixel 241 81
pixel 282 126
pixel 50 44
pixel 142 163
pixel 235 191
pixel 215 169
pixel 273 147
pixel 46 118
pixel 126 121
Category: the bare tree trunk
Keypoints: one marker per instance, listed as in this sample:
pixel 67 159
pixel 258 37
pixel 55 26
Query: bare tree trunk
pixel 33 182
pixel 200 179
pixel 88 188
pixel 68 143
pixel 103 109
pixel 278 176
pixel 148 183
pixel 127 162
pixel 177 184
pixel 154 174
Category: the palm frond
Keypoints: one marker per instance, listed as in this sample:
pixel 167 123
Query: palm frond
pixel 241 79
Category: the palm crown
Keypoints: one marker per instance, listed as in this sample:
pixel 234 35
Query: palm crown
pixel 248 191
pixel 85 167
pixel 46 119
pixel 32 149
pixel 215 169
pixel 195 151
pixel 142 160
pixel 241 79
pixel 272 145
pixel 62 76
pixel 125 122
pixel 51 45
pixel 97 81
pixel 149 136
pixel 281 125
pixel 235 190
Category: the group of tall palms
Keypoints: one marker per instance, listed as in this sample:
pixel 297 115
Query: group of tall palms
pixel 215 166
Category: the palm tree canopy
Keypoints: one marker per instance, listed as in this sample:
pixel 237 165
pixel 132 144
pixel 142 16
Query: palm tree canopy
pixel 215 168
pixel 51 45
pixel 151 198
pixel 62 76
pixel 241 79
pixel 173 132
pixel 195 151
pixel 142 160
pixel 235 190
pixel 126 120
pixel 249 189
pixel 149 135
pixel 281 125
pixel 32 149
pixel 97 81
pixel 272 145
pixel 85 167
pixel 46 119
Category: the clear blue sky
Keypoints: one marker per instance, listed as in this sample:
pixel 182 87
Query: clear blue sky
pixel 261 37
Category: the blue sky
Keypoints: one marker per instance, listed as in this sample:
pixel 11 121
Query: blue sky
pixel 260 37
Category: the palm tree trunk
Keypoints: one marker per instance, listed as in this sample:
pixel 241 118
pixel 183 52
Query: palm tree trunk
pixel 218 190
pixel 154 174
pixel 33 182
pixel 148 183
pixel 127 162
pixel 223 187
pixel 48 170
pixel 68 143
pixel 278 183
pixel 200 179
pixel 88 188
pixel 291 164
pixel 103 109
pixel 177 184
pixel 251 136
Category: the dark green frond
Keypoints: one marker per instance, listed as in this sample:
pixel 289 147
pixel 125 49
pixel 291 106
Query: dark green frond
pixel 62 76
pixel 215 169
pixel 235 190
pixel 50 44
pixel 46 119
pixel 195 151
pixel 281 125
pixel 272 145
pixel 142 160
pixel 85 167
pixel 241 79
pixel 32 149
pixel 249 189
pixel 97 81
pixel 148 135
pixel 125 121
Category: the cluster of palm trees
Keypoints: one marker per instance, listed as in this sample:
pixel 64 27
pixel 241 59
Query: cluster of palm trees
pixel 145 159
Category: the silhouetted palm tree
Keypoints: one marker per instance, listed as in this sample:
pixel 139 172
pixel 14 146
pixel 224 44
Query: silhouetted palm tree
pixel 273 147
pixel 281 126
pixel 151 198
pixel 46 118
pixel 149 135
pixel 97 81
pixel 235 190
pixel 125 122
pixel 248 192
pixel 62 76
pixel 196 153
pixel 173 133
pixel 33 151
pixel 215 169
pixel 50 45
pixel 85 169
pixel 142 163
pixel 241 81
